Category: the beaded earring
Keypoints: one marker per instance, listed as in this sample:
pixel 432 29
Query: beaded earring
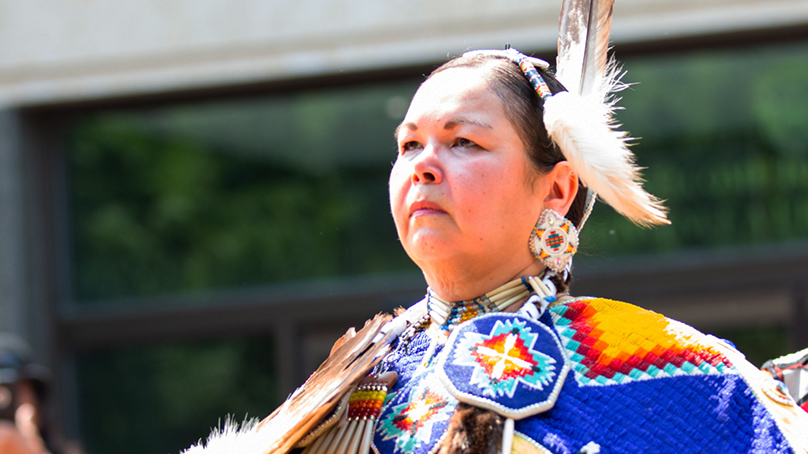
pixel 554 240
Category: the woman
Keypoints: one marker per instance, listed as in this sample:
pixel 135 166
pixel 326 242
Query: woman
pixel 475 171
pixel 465 191
pixel 498 357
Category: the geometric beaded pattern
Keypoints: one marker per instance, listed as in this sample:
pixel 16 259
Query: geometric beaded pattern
pixel 460 313
pixel 504 358
pixel 415 421
pixel 554 240
pixel 609 342
pixel 504 362
pixel 366 402
pixel 538 83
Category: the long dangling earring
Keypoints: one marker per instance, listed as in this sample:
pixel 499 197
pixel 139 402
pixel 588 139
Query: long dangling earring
pixel 554 240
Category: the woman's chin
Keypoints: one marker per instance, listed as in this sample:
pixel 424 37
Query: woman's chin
pixel 425 247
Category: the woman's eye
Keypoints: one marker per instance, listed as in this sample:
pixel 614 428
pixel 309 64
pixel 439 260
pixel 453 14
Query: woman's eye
pixel 465 143
pixel 411 145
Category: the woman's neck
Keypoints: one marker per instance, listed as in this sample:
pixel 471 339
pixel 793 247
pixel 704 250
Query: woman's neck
pixel 509 297
pixel 453 282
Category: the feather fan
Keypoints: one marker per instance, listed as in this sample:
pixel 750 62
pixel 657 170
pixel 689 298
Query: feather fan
pixel 580 121
pixel 351 359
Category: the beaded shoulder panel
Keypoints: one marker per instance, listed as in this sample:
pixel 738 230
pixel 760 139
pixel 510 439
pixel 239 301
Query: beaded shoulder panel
pixel 609 342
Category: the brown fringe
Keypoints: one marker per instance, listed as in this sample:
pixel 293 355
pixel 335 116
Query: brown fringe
pixel 472 430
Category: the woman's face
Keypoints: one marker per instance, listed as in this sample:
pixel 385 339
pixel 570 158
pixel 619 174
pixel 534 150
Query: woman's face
pixel 461 187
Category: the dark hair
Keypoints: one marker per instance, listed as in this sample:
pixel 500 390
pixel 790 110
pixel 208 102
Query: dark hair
pixel 524 109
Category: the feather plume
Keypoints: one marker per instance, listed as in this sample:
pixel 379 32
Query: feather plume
pixel 351 359
pixel 230 438
pixel 581 127
pixel 581 121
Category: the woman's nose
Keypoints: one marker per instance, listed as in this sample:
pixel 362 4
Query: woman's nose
pixel 427 167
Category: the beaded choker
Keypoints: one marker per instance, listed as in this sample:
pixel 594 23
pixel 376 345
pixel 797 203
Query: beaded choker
pixel 448 315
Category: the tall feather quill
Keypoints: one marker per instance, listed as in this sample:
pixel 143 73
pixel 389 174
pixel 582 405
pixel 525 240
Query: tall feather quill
pixel 583 43
pixel 581 121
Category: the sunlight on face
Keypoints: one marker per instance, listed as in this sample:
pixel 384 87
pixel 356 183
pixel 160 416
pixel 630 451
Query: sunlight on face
pixel 458 189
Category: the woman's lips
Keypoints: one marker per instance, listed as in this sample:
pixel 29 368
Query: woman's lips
pixel 425 208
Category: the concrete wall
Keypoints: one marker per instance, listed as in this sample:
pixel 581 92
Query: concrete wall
pixel 54 51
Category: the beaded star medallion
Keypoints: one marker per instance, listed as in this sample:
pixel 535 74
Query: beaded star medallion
pixel 506 363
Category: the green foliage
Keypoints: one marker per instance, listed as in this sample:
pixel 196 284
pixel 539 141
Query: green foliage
pixel 724 143
pixel 164 399
pixel 170 201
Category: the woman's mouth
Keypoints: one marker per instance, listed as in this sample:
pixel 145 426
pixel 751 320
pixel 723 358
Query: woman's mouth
pixel 425 208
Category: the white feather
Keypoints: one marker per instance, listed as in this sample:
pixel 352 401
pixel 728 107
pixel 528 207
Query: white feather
pixel 580 122
pixel 232 439
pixel 584 130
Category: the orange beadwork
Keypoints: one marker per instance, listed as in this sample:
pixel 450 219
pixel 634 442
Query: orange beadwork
pixel 613 342
pixel 366 402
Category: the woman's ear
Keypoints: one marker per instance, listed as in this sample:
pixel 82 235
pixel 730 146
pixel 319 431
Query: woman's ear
pixel 563 187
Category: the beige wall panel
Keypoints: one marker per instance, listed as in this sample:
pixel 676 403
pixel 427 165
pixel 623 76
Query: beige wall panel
pixel 54 51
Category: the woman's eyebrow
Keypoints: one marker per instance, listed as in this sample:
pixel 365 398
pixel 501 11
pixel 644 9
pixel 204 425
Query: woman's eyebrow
pixel 451 124
pixel 409 125
pixel 455 122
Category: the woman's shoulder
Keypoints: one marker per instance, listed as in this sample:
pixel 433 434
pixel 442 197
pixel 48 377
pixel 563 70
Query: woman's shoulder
pixel 611 342
pixel 623 324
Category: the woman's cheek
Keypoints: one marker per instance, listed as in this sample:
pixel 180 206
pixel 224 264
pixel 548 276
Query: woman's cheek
pixel 398 193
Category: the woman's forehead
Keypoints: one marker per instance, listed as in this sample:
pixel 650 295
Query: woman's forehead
pixel 456 92
pixel 454 80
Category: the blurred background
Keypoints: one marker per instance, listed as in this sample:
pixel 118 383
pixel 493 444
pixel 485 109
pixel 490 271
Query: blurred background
pixel 193 193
